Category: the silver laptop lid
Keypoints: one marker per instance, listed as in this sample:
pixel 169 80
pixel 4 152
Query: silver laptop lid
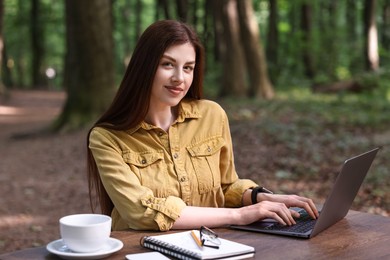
pixel 344 190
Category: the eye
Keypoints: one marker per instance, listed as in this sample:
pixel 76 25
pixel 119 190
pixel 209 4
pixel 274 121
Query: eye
pixel 167 64
pixel 188 68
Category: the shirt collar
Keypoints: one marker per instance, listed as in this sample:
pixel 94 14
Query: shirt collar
pixel 187 110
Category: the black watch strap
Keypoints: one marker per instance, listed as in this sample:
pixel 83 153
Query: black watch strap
pixel 257 190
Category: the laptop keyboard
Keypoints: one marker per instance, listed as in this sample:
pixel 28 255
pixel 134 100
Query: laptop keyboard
pixel 303 224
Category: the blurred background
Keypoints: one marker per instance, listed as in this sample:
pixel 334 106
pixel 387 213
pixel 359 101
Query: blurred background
pixel 306 84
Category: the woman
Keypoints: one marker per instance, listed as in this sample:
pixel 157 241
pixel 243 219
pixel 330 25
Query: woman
pixel 161 157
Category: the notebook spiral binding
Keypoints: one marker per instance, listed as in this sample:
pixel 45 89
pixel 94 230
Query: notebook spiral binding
pixel 169 249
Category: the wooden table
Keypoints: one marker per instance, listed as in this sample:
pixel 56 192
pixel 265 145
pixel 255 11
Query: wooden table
pixel 358 236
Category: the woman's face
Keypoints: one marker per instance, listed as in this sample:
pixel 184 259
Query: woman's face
pixel 174 75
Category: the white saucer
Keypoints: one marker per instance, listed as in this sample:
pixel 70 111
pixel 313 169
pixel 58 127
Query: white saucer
pixel 58 247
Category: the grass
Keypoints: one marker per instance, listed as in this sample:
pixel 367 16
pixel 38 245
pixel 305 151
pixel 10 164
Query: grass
pixel 311 133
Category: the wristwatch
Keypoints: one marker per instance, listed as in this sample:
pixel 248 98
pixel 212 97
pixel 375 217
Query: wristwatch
pixel 257 190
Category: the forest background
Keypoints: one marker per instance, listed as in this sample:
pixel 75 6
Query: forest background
pixel 305 85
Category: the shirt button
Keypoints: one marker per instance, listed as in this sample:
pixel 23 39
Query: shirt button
pixel 143 161
pixel 183 179
pixel 175 156
pixel 208 149
pixel 160 133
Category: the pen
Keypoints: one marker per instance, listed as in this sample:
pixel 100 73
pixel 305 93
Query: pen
pixel 196 239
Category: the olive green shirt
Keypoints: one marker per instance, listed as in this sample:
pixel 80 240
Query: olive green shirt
pixel 151 175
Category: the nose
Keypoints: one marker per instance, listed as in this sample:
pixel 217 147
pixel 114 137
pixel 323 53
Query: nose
pixel 178 76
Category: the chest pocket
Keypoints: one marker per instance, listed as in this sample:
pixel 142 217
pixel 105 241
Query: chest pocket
pixel 150 169
pixel 205 158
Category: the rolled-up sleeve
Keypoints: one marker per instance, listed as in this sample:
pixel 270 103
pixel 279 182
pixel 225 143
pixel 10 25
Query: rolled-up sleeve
pixel 234 192
pixel 233 187
pixel 135 205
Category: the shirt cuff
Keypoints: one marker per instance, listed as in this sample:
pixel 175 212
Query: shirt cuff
pixel 168 210
pixel 233 195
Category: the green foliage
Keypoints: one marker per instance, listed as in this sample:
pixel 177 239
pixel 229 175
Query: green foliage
pixel 309 135
pixel 124 29
pixel 307 123
pixel 337 44
pixel 18 38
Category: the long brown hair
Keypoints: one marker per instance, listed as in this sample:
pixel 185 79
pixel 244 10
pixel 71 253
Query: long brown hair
pixel 131 103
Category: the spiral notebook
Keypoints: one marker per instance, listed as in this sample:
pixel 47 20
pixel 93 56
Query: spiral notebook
pixel 181 245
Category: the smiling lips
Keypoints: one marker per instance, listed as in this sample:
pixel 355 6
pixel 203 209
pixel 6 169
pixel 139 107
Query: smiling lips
pixel 174 90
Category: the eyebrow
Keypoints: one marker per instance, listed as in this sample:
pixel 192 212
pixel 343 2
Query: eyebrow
pixel 174 60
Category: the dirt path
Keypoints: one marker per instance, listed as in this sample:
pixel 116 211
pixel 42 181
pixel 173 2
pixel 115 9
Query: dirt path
pixel 42 178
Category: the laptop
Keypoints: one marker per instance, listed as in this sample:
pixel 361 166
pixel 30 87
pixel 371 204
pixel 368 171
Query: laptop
pixel 335 208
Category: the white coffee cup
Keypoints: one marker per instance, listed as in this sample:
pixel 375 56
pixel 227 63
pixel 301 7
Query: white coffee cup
pixel 85 233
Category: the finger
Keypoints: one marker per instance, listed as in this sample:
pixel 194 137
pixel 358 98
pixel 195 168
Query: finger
pixel 286 215
pixel 276 217
pixel 310 210
pixel 314 208
pixel 294 213
pixel 279 212
pixel 309 206
pixel 275 211
pixel 291 217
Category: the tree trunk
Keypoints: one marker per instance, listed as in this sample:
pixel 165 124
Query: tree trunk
pixel 182 10
pixel 20 75
pixel 38 49
pixel 2 86
pixel 208 25
pixel 340 86
pixel 233 80
pixel 6 73
pixel 386 25
pixel 272 40
pixel 331 40
pixel 138 20
pixel 126 14
pixel 162 5
pixel 371 36
pixel 214 8
pixel 306 26
pixel 195 14
pixel 352 20
pixel 89 70
pixel 259 86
